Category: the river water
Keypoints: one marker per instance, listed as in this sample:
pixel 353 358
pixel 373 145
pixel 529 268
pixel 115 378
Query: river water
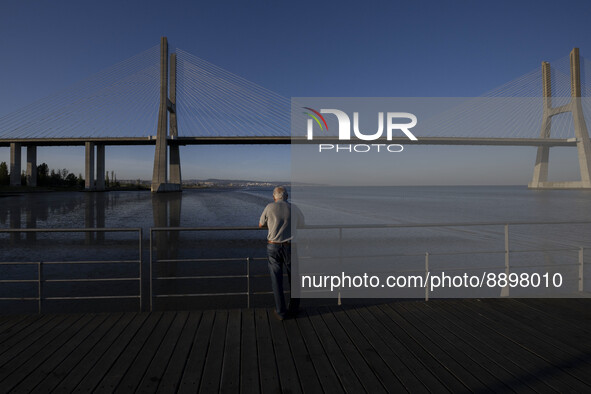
pixel 242 207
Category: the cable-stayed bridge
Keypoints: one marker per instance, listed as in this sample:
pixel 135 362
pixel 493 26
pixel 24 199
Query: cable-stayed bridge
pixel 165 100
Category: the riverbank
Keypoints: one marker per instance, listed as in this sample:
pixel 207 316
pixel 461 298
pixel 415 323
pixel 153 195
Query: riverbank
pixel 11 190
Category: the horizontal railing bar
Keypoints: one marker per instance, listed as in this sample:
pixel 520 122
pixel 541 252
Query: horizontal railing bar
pixel 19 298
pixel 443 253
pixel 212 294
pixel 68 230
pixel 210 228
pixel 545 250
pixel 200 277
pixel 90 297
pixel 201 260
pixel 213 277
pixel 197 295
pixel 355 226
pixel 90 279
pixel 209 260
pixel 409 255
pixel 18 281
pixel 93 262
pixel 513 267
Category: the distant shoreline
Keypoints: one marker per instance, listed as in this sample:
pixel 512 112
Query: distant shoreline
pixel 15 190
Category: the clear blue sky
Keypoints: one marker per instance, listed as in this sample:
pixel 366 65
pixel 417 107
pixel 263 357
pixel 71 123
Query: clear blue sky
pixel 299 49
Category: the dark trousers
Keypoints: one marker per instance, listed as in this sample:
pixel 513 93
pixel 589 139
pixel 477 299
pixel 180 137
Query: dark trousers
pixel 279 255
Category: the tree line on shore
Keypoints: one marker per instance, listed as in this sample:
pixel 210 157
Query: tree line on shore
pixel 54 178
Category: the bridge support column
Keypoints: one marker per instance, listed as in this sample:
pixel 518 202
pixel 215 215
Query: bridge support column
pixel 15 164
pixel 540 176
pixel 32 165
pixel 89 166
pixel 542 157
pixel 100 167
pixel 160 173
pixel 581 132
pixel 175 158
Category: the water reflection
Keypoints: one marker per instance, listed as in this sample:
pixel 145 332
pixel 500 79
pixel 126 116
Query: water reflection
pixel 86 210
pixel 92 210
pixel 166 209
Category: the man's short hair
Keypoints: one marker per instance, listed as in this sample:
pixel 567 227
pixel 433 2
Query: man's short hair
pixel 279 193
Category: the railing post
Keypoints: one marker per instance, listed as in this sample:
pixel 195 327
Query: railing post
pixel 140 269
pixel 505 291
pixel 151 268
pixel 39 285
pixel 248 282
pixel 581 269
pixel 426 276
pixel 340 261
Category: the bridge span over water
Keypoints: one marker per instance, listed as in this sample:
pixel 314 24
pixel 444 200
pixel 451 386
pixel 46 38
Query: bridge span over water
pixel 287 141
pixel 198 103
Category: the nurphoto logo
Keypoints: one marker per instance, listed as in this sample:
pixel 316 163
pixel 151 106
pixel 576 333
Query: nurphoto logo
pixel 392 125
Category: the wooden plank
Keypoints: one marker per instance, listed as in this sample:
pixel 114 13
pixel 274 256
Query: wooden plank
pixel 26 337
pixel 485 331
pixel 400 328
pixel 77 373
pixel 346 374
pixel 471 374
pixel 68 354
pixel 569 359
pixel 249 371
pixel 553 323
pixel 194 368
pixel 288 375
pixel 268 374
pixel 377 343
pixel 451 351
pixel 136 364
pixel 505 344
pixel 230 380
pixel 7 322
pixel 31 342
pixel 212 369
pixel 25 329
pixel 26 362
pixel 505 368
pixel 554 343
pixel 126 346
pixel 174 371
pixel 326 375
pixel 367 377
pixel 574 310
pixel 155 371
pixel 301 358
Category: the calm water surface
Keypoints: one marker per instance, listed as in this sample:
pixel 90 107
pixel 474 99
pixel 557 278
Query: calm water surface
pixel 242 207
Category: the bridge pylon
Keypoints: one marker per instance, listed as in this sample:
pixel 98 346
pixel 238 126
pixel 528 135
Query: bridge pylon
pixel 160 178
pixel 540 176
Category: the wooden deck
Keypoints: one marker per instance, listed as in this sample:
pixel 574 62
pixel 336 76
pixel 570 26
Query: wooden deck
pixel 435 346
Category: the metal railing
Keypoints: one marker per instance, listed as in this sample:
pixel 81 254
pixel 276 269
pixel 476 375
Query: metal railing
pixel 40 278
pixel 506 251
pixel 247 260
pixel 248 276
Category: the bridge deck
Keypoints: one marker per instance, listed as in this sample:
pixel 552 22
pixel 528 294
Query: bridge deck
pixel 436 346
pixel 257 140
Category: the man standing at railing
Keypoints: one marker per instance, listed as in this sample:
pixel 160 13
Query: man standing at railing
pixel 280 217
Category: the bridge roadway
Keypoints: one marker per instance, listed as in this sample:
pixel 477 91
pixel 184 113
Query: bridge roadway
pixel 288 140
